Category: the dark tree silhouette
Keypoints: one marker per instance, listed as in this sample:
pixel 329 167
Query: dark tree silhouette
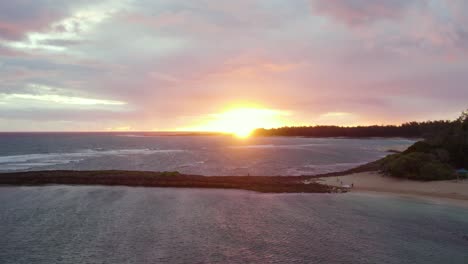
pixel 412 129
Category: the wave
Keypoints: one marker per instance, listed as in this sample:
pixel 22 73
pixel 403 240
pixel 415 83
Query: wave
pixel 191 164
pixel 28 161
pixel 313 169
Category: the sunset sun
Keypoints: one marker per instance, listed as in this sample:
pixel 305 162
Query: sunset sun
pixel 241 122
pixel 251 131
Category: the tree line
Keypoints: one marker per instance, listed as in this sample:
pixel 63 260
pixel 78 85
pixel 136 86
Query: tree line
pixel 411 129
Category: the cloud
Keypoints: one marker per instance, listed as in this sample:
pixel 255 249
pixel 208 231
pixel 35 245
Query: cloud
pixel 56 99
pixel 42 96
pixel 339 118
pixel 403 27
pixel 173 58
pixel 56 33
pixel 359 12
pixel 19 17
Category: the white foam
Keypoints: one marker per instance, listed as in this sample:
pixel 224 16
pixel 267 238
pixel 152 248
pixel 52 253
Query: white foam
pixel 191 164
pixel 28 161
pixel 312 169
pixel 345 164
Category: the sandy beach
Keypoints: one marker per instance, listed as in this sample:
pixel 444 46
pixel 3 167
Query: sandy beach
pixel 440 191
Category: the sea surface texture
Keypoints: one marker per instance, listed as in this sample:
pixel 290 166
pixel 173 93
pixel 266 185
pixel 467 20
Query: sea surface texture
pixel 95 224
pixel 205 155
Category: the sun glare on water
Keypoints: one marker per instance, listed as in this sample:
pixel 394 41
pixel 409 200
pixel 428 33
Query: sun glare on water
pixel 241 122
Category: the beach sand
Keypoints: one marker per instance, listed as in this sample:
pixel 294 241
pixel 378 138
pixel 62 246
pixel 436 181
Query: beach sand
pixel 439 191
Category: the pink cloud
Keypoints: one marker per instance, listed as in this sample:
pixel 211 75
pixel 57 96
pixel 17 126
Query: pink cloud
pixel 408 28
pixel 358 12
pixel 4 51
pixel 275 53
pixel 166 19
pixel 15 29
pixel 22 16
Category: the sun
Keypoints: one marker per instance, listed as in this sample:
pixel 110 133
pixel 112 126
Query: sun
pixel 241 122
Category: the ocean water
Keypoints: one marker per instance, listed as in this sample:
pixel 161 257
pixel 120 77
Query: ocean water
pixel 96 224
pixel 101 224
pixel 205 155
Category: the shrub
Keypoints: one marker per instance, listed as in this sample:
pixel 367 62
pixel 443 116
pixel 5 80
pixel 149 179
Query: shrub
pixel 417 166
pixel 436 171
pixel 420 146
pixel 442 154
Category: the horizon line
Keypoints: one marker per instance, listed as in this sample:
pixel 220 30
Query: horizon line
pixel 205 132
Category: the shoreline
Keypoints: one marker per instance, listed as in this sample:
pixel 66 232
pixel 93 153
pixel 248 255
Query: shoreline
pixel 451 191
pixel 364 178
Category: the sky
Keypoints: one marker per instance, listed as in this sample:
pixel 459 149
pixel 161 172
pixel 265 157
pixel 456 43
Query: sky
pixel 164 65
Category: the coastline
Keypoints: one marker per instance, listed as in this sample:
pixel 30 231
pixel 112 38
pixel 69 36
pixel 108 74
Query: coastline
pixel 452 191
pixel 364 179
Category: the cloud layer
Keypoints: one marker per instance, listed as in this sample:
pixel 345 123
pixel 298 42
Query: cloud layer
pixel 83 65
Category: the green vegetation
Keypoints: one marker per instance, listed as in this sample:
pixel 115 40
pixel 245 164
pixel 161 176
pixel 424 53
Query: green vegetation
pixel 434 158
pixel 417 166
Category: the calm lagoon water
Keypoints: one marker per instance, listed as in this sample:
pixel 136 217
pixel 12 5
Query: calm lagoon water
pixel 205 155
pixel 92 224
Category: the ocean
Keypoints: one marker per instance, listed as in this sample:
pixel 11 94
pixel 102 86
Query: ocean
pixel 102 224
pixel 96 224
pixel 204 155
